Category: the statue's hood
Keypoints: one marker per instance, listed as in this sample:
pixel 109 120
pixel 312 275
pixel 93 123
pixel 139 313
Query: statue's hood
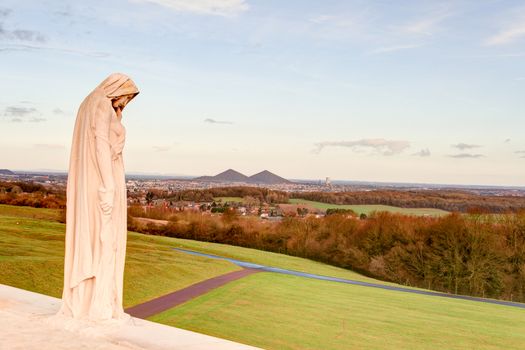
pixel 117 85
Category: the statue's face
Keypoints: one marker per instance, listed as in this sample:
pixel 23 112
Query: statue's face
pixel 121 101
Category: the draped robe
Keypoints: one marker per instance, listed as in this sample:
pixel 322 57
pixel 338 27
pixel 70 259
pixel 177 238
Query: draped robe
pixel 96 242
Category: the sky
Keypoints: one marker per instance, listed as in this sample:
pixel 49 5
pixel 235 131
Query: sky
pixel 394 91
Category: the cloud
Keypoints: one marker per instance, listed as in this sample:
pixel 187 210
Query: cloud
pixel 466 155
pixel 63 13
pixel 14 111
pixel 58 111
pixel 511 31
pixel 4 12
pixel 497 55
pixel 426 25
pixel 19 114
pixel 49 146
pixel 37 120
pixel 506 141
pixel 382 146
pixel 22 47
pixel 388 49
pixel 203 7
pixel 322 19
pixel 214 121
pixel 463 146
pixel 161 148
pixel 520 152
pixel 346 21
pixel 19 34
pixel 413 33
pixel 423 153
pixel 355 23
pixel 27 35
pixel 507 36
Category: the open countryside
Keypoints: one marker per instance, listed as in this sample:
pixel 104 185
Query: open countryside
pixel 368 209
pixel 358 209
pixel 262 175
pixel 329 315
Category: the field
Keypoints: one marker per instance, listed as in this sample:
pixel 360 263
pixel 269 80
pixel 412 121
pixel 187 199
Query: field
pixel 367 209
pixel 28 212
pixel 271 259
pixel 32 254
pixel 268 310
pixel 359 209
pixel 228 199
pixel 286 312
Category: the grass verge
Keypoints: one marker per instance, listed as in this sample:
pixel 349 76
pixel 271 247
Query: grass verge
pixel 287 313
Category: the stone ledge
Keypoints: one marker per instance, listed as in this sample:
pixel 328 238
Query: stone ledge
pixel 28 321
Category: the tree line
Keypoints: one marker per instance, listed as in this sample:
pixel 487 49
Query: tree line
pixel 31 195
pixel 461 201
pixel 449 200
pixel 471 254
pixel 475 253
pixel 263 195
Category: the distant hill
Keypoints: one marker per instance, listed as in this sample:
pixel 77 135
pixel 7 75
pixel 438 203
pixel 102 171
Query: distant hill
pixel 266 177
pixel 229 175
pixel 6 172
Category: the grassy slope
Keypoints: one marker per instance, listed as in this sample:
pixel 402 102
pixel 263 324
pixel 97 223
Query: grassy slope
pixel 142 250
pixel 228 199
pixel 269 259
pixel 28 212
pixel 268 310
pixel 31 257
pixel 367 209
pixel 300 313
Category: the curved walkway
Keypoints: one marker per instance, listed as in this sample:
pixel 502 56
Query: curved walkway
pixel 165 302
pixel 248 265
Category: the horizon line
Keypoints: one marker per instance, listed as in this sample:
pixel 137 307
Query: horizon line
pixel 128 173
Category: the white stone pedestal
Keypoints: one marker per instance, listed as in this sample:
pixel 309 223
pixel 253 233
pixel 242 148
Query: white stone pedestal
pixel 28 322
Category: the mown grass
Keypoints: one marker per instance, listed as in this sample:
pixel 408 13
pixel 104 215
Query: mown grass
pixel 153 268
pixel 268 310
pixel 32 253
pixel 286 312
pixel 270 259
pixel 368 209
pixel 29 212
pixel 228 199
pixel 359 209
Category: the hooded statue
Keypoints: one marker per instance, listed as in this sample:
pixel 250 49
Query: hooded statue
pixel 96 219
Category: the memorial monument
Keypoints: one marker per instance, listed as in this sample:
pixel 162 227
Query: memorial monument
pixel 96 220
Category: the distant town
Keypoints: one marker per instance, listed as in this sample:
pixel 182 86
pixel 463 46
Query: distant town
pixel 265 179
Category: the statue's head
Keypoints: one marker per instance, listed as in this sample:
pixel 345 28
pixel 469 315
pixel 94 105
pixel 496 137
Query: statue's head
pixel 120 89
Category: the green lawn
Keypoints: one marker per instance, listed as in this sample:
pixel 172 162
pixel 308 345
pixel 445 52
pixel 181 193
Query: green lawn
pixel 367 209
pixel 286 312
pixel 228 199
pixel 270 259
pixel 152 267
pixel 268 310
pixel 28 212
pixel 32 253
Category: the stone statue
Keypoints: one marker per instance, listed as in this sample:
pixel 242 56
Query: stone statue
pixel 96 205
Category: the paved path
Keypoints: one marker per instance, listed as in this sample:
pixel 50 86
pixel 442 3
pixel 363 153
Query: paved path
pixel 358 283
pixel 168 301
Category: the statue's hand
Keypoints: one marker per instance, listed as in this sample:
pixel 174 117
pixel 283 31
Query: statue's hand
pixel 106 197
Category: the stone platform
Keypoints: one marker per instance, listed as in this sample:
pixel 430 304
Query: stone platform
pixel 28 321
